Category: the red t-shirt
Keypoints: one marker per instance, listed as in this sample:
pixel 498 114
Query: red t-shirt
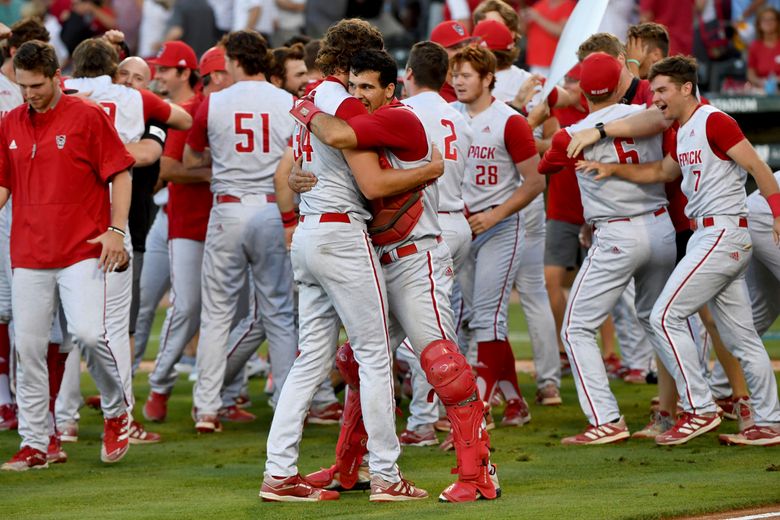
pixel 764 60
pixel 57 165
pixel 381 129
pixel 541 44
pixel 564 202
pixel 677 16
pixel 189 205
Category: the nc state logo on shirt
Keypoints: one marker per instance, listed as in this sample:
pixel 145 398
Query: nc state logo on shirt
pixel 60 141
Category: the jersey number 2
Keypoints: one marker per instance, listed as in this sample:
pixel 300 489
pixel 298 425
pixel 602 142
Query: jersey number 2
pixel 450 152
pixel 248 146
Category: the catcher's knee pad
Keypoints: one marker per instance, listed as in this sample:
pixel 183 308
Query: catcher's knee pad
pixel 351 446
pixel 347 365
pixel 448 372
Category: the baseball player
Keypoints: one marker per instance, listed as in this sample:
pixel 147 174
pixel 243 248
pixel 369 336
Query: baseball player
pixel 453 36
pixel 633 238
pixel 426 73
pixel 416 264
pixel 500 180
pixel 712 155
pixel 247 128
pixel 86 241
pixel 188 208
pixel 339 280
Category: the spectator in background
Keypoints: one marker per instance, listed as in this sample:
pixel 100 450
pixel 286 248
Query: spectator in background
pixel 192 21
pixel 545 22
pixel 764 52
pixel 223 14
pixel 258 15
pixel 677 16
pixel 11 11
pixel 85 19
pixel 155 15
pixel 128 20
pixel 291 20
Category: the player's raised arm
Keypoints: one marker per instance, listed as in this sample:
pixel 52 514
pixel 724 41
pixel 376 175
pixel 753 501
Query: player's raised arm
pixel 643 124
pixel 665 170
pixel 375 182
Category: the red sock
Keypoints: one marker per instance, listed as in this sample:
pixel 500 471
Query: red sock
pixel 489 359
pixel 507 365
pixel 5 350
pixel 55 362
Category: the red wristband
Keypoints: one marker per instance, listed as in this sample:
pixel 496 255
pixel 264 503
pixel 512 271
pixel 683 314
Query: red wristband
pixel 289 218
pixel 304 110
pixel 774 204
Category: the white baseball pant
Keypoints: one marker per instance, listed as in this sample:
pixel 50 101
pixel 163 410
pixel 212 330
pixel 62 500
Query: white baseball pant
pixel 339 280
pixel 713 272
pixel 635 346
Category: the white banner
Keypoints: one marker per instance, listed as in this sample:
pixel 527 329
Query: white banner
pixel 582 24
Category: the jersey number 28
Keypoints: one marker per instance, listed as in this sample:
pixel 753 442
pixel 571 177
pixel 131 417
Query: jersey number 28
pixel 244 129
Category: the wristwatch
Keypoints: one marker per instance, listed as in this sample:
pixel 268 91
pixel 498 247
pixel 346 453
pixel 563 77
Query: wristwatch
pixel 602 132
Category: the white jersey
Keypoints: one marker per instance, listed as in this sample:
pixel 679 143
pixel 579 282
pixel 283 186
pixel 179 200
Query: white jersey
pixel 124 105
pixel 615 197
pixel 452 136
pixel 714 186
pixel 336 190
pixel 428 225
pixel 491 176
pixel 10 95
pixel 249 128
pixel 508 82
pixel 757 204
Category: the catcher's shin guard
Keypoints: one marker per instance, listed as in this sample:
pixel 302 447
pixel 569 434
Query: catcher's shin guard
pixel 454 383
pixel 351 446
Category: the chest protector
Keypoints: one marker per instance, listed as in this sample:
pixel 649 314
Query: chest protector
pixel 394 217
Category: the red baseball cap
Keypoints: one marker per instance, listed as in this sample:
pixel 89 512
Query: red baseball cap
pixel 212 60
pixel 495 35
pixel 175 54
pixel 574 73
pixel 599 74
pixel 450 34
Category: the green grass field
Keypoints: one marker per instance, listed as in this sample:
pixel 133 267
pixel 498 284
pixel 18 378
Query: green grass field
pixel 218 476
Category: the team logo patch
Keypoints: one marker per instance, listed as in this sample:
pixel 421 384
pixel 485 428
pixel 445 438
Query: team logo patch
pixel 616 250
pixel 12 146
pixel 60 139
pixel 459 29
pixel 448 272
pixel 486 130
pixel 734 256
pixel 692 133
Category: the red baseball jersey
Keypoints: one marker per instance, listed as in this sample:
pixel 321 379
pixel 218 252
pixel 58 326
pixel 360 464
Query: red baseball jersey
pixel 189 204
pixel 57 165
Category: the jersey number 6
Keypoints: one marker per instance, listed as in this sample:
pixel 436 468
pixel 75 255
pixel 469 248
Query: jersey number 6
pixel 242 121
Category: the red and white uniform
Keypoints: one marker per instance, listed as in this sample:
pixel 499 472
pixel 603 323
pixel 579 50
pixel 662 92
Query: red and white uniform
pixel 713 269
pixel 57 165
pixel 339 280
pixel 248 128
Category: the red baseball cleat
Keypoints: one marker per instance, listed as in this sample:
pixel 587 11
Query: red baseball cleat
pixel 26 458
pixel 421 436
pixel 401 491
pixel 328 478
pixel 236 414
pixel 116 438
pixel 55 453
pixel 328 414
pixel 688 427
pixel 293 489
pixel 8 418
pixel 156 407
pixel 603 434
pixel 208 424
pixel 516 413
pixel 139 434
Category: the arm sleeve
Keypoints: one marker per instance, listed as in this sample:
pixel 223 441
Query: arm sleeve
pixel 109 155
pixel 395 128
pixel 555 158
pixel 723 132
pixel 198 138
pixel 155 108
pixel 350 108
pixel 155 132
pixel 519 139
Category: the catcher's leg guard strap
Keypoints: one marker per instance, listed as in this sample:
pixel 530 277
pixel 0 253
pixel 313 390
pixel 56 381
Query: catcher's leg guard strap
pixel 454 383
pixel 347 365
pixel 351 446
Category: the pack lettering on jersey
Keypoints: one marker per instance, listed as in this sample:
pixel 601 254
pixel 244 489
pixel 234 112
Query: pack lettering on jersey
pixel 10 95
pixel 336 190
pixel 712 182
pixel 490 176
pixel 249 127
pixel 123 105
pixel 452 136
pixel 428 225
pixel 615 197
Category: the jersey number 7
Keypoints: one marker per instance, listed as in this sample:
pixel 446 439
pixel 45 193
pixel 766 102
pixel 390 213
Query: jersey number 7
pixel 243 128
